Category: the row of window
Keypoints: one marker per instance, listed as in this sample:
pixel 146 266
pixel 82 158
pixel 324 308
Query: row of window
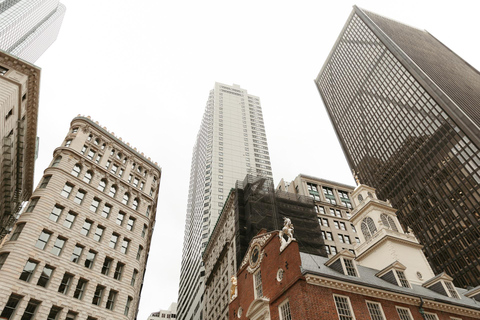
pixel 329 195
pixel 345 311
pixel 55 311
pixel 332 212
pixel 343 238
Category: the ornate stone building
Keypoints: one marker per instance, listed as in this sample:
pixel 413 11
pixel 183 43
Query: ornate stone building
pixel 80 248
pixel 19 89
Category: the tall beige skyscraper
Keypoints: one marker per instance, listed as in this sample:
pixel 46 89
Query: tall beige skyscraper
pixel 19 90
pixel 80 248
pixel 231 142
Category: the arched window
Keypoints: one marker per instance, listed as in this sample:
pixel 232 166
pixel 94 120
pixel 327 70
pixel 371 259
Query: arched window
pixel 368 228
pixel 113 191
pixel 112 152
pixel 76 170
pixel 56 162
pixel 88 176
pixel 126 197
pixel 89 137
pixel 97 141
pixel 388 222
pixel 135 204
pixel 102 185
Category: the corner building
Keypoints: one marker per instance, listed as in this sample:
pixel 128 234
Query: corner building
pixel 19 98
pixel 231 142
pixel 405 110
pixel 80 248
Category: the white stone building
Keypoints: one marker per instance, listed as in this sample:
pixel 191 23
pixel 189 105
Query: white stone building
pixel 231 142
pixel 79 249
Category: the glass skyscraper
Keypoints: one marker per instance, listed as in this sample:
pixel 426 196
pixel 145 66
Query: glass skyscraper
pixel 405 109
pixel 29 27
pixel 230 144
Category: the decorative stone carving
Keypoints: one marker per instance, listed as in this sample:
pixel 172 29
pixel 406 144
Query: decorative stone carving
pixel 261 241
pixel 286 231
pixel 233 288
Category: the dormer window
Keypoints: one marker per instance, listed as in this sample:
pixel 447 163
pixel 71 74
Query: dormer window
pixel 394 274
pixel 343 262
pixel 442 284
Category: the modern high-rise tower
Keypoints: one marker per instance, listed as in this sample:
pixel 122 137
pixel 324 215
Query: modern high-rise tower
pixel 29 27
pixel 406 111
pixel 80 248
pixel 231 142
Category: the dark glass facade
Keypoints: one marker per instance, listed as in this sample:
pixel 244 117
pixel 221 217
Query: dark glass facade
pixel 405 109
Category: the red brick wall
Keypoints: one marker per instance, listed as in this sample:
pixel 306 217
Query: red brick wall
pixel 306 301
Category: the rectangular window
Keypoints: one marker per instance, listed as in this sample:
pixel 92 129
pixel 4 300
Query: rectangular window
pixel 131 223
pixel 350 267
pixel 329 236
pixel 135 182
pixel 342 226
pixel 98 295
pixel 120 217
pixel 347 240
pixel 340 238
pixel 284 311
pixel 30 310
pixel 335 223
pixel 430 316
pixel 127 306
pixel 333 249
pixel 69 219
pixel 403 279
pixel 79 197
pixel 67 189
pixel 80 289
pixel 56 212
pixel 90 259
pixel 114 168
pixel 113 240
pixel 139 252
pixel 11 306
pixel 87 225
pixel 28 270
pixel 125 244
pixel 58 246
pixel 144 230
pixel 65 284
pixel 43 239
pixel 17 232
pixel 111 300
pixel 77 253
pixel 98 233
pixel 32 204
pixel 95 204
pixel 375 310
pixel 404 313
pixel 107 264
pixel 71 315
pixel 45 181
pixel 54 313
pixel 344 308
pixel 118 271
pixel 84 149
pixel 134 277
pixel 3 258
pixel 45 276
pixel 257 280
pixel 106 211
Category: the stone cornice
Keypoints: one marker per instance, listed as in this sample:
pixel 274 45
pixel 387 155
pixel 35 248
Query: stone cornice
pixel 390 295
pixel 361 254
pixel 104 132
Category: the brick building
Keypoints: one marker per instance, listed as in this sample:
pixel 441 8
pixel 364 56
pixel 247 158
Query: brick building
pixel 395 285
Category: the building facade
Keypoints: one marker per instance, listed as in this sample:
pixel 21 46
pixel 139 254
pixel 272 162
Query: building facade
pixel 231 142
pixel 252 207
pixel 276 284
pixel 79 249
pixel 19 90
pixel 404 107
pixel 171 313
pixel 333 205
pixel 29 27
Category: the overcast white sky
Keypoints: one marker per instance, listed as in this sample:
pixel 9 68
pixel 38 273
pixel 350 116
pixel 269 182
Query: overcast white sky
pixel 144 70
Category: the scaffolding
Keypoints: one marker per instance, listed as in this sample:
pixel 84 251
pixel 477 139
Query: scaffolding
pixel 260 206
